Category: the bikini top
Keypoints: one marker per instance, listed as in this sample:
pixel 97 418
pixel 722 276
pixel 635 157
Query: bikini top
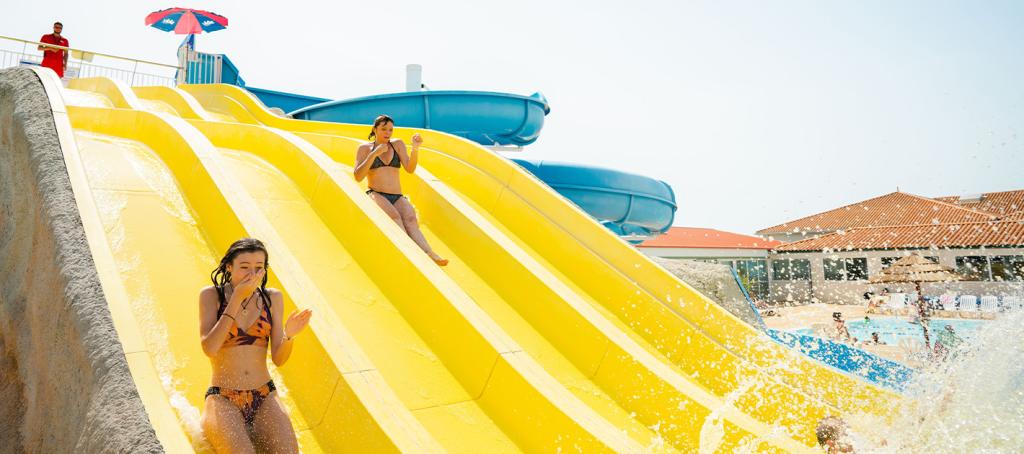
pixel 395 161
pixel 257 334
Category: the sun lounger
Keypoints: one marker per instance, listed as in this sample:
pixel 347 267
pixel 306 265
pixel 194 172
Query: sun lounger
pixel 1013 303
pixel 989 303
pixel 968 303
pixel 948 302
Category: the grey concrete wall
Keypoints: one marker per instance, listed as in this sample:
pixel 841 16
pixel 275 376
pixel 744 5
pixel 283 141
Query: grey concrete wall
pixel 791 292
pixel 64 379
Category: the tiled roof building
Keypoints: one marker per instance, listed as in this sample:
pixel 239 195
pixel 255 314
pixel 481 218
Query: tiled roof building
pixel 951 235
pixel 830 256
pixel 875 223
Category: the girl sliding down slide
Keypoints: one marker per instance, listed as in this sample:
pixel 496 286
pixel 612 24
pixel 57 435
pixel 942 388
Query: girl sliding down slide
pixel 380 160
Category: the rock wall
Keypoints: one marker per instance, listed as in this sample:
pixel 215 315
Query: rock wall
pixel 64 379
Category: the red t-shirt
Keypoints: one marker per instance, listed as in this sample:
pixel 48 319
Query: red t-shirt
pixel 54 58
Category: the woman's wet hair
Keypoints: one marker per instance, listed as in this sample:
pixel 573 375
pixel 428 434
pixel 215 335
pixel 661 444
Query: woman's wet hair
pixel 381 119
pixel 220 276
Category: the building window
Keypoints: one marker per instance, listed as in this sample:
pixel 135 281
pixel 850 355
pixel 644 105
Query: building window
pixel 1007 267
pixel 753 275
pixel 780 270
pixel 791 269
pixel 835 269
pixel 857 269
pixel 886 261
pixel 847 269
pixel 973 267
pixel 801 269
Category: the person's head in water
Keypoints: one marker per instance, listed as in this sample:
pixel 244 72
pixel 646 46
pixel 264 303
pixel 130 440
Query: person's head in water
pixel 57 28
pixel 831 433
pixel 244 257
pixel 383 127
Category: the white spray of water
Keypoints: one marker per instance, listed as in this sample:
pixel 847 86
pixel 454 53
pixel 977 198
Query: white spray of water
pixel 974 402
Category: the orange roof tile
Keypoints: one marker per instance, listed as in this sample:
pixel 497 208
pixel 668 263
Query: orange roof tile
pixel 951 235
pixel 694 237
pixel 897 208
pixel 1018 216
pixel 996 203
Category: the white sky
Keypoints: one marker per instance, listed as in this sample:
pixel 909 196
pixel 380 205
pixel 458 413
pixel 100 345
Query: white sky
pixel 755 114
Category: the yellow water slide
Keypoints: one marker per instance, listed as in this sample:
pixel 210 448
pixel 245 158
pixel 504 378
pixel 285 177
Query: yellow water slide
pixel 594 358
pixel 546 332
pixel 715 348
pixel 409 359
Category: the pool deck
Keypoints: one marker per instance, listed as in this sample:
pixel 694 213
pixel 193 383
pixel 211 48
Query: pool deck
pixel 808 316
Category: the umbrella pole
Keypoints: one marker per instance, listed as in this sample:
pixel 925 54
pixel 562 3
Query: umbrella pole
pixel 922 315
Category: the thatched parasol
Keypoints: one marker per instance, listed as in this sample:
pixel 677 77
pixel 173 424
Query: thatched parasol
pixel 916 269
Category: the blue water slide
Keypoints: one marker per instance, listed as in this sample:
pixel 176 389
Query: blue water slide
pixel 484 117
pixel 287 102
pixel 885 372
pixel 633 206
pixel 488 118
pixel 888 373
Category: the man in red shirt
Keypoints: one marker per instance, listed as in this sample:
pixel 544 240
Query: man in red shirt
pixel 55 59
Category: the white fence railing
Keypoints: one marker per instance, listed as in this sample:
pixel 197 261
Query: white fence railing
pixel 81 63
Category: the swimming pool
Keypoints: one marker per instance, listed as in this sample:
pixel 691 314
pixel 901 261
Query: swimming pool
pixel 891 329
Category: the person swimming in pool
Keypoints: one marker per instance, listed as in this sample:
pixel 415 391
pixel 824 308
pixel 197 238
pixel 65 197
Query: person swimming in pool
pixel 239 318
pixel 839 330
pixel 379 161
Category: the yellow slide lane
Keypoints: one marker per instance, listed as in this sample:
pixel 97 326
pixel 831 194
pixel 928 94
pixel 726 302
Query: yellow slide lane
pixel 453 368
pixel 710 344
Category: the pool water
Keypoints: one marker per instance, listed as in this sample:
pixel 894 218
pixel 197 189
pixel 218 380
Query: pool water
pixel 891 330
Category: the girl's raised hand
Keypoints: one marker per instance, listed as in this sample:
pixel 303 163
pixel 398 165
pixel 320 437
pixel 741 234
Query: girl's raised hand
pixel 297 321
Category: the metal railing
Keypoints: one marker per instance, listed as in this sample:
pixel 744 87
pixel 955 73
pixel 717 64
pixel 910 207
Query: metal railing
pixel 82 63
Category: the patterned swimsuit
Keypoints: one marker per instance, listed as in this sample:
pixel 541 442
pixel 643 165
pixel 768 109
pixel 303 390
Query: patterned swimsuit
pixel 248 401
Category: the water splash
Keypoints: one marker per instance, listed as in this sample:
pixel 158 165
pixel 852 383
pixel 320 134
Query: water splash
pixel 188 414
pixel 974 402
pixel 712 433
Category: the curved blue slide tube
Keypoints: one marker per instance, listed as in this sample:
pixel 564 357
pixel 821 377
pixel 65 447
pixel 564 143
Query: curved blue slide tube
pixel 484 117
pixel 633 206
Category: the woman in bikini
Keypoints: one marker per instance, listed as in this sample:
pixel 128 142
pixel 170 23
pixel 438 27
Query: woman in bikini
pixel 239 318
pixel 379 161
